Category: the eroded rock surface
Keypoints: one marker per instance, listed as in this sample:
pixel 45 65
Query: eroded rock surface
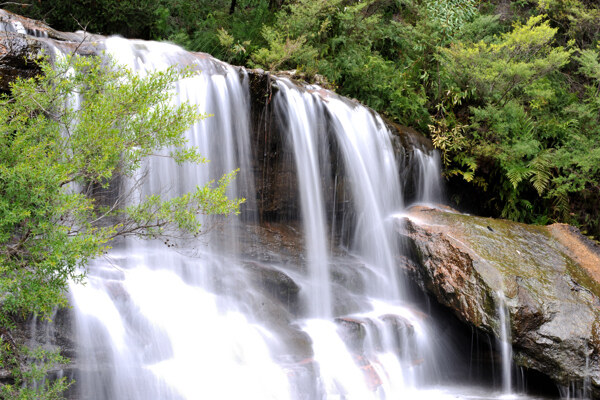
pixel 548 276
pixel 23 40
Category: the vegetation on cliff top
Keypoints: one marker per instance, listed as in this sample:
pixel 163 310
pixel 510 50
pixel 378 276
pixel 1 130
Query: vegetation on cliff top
pixel 508 91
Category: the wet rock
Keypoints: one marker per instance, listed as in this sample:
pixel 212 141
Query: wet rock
pixel 275 177
pixel 403 334
pixel 349 277
pixel 64 333
pixel 353 332
pixel 346 302
pixel 408 138
pixel 23 40
pixel 13 23
pixel 273 159
pixel 54 334
pixel 548 276
pixel 279 285
pixel 350 273
pixel 273 243
pixel 17 55
pixel 406 141
pixel 303 376
pixel 369 371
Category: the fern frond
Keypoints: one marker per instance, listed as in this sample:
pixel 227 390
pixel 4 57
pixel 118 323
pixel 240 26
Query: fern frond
pixel 479 181
pixel 516 174
pixel 561 205
pixel 540 168
pixel 469 162
pixel 526 204
pixel 468 175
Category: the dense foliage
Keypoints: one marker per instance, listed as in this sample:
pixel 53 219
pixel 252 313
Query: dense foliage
pixel 64 138
pixel 508 91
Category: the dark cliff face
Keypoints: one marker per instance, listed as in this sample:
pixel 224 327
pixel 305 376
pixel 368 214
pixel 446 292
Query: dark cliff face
pixel 274 174
pixel 16 59
pixel 17 51
pixel 273 165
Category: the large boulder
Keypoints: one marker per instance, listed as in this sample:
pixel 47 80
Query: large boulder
pixel 547 278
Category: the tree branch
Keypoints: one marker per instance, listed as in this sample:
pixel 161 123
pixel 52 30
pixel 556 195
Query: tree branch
pixel 12 3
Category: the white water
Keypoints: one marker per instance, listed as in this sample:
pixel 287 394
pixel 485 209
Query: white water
pixel 377 367
pixel 169 339
pixel 505 345
pixel 150 323
pixel 305 127
pixel 376 191
pixel 429 178
pixel 153 323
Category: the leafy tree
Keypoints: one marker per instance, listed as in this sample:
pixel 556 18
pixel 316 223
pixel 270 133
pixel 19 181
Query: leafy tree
pixel 576 19
pixel 65 137
pixel 500 89
pixel 347 43
pixel 497 69
pixel 27 366
pixel 524 127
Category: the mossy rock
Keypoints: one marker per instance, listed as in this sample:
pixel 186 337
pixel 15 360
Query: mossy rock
pixel 549 278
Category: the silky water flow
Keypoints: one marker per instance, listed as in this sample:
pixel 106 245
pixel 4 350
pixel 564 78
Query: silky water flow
pixel 151 321
pixel 195 322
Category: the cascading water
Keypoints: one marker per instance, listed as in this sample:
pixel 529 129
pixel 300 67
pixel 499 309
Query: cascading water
pixel 380 363
pixel 505 345
pixel 429 177
pixel 210 320
pixel 306 131
pixel 150 323
pixel 375 188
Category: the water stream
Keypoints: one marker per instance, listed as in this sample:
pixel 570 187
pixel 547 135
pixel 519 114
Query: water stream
pixel 307 132
pixel 505 345
pixel 240 313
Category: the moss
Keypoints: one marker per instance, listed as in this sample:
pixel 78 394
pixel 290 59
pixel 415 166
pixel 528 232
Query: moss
pixel 514 249
pixel 582 277
pixel 595 340
pixel 489 304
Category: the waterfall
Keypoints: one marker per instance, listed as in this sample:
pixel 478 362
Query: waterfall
pixel 429 177
pixel 380 363
pixel 151 322
pixel 505 345
pixel 375 188
pixel 303 296
pixel 242 313
pixel 306 129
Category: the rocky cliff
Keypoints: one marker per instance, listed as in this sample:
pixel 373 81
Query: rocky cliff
pixel 546 277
